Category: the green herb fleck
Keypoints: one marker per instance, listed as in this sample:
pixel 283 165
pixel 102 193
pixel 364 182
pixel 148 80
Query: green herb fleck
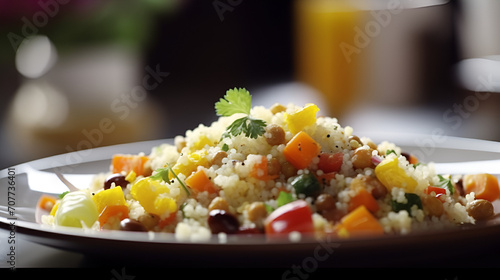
pixel 239 101
pixel 446 183
pixel 284 198
pixel 63 194
pixel 182 209
pixel 164 174
pixel 269 208
pixel 225 148
pixel 388 152
pixel 413 199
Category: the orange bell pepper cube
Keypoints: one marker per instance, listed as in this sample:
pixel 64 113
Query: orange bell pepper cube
pixel 359 222
pixel 301 150
pixel 129 163
pixel 363 197
pixel 46 202
pixel 119 211
pixel 200 182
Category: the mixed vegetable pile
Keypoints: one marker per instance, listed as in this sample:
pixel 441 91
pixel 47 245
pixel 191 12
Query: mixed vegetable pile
pixel 301 200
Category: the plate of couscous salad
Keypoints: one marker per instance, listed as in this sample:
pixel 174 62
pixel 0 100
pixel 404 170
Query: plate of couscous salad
pixel 260 183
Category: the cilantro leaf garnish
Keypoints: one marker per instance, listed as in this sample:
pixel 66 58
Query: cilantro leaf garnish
pixel 446 183
pixel 249 126
pixel 239 101
pixel 235 101
pixel 164 174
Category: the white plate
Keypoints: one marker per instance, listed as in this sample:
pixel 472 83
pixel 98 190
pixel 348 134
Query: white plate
pixel 37 177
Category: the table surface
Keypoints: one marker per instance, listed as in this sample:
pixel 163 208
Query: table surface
pixel 30 254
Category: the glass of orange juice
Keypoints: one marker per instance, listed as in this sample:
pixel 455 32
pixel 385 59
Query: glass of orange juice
pixel 324 55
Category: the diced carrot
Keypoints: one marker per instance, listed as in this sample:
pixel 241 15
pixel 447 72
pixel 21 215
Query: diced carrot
pixel 46 202
pixel 484 186
pixel 260 171
pixel 200 182
pixel 119 211
pixel 129 163
pixel 168 220
pixel 413 159
pixel 301 150
pixel 363 197
pixel 359 222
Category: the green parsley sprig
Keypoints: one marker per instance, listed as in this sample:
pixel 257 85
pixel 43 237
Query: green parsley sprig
pixel 239 101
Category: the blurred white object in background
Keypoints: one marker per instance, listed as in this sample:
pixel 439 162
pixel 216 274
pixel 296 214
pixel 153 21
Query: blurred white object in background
pixel 35 56
pixel 479 35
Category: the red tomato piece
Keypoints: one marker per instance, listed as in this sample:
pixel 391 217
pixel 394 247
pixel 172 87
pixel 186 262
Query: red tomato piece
pixel 330 162
pixel 436 190
pixel 293 216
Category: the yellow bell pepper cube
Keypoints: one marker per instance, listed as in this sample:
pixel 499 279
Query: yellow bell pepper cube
pixel 131 176
pixel 200 144
pixel 198 158
pixel 391 175
pixel 153 196
pixel 304 117
pixel 109 197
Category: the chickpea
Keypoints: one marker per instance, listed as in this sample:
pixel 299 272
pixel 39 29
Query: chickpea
pixel 362 158
pixel 372 145
pixel 378 190
pixel 355 142
pixel 217 159
pixel 273 167
pixel 333 215
pixel 325 202
pixel 288 170
pixel 218 203
pixel 277 108
pixel 480 209
pixel 433 205
pixel 257 211
pixel 275 135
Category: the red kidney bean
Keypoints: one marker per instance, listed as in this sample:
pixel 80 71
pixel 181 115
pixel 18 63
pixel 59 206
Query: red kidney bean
pixel 131 225
pixel 118 179
pixel 222 221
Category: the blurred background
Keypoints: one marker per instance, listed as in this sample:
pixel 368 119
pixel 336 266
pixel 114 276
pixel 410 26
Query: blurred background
pixel 82 74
